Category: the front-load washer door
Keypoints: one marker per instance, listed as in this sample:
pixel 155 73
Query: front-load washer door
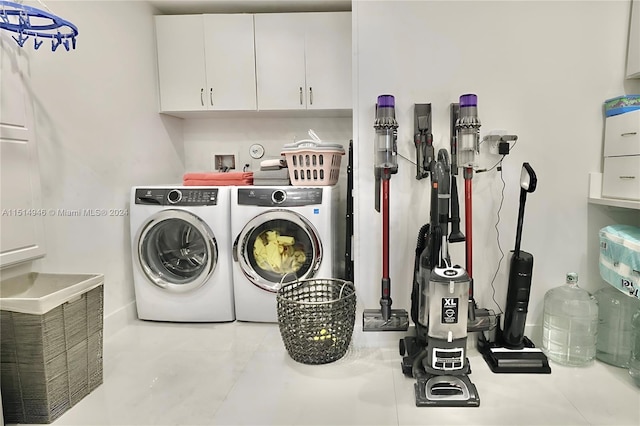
pixel 176 250
pixel 276 247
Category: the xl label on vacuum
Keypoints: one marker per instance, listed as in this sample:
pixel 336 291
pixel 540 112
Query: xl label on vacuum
pixel 449 310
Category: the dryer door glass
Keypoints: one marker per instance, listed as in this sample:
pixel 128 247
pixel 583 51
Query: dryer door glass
pixel 177 250
pixel 277 247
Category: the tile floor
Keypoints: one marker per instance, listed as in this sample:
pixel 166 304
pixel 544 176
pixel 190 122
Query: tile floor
pixel 240 374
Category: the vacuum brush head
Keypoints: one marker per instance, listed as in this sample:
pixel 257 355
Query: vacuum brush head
pixel 373 320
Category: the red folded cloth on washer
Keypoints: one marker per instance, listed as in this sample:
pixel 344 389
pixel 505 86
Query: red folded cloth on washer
pixel 218 176
pixel 218 179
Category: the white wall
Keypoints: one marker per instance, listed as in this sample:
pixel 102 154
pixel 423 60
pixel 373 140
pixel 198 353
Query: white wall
pixel 541 70
pixel 205 137
pixel 98 134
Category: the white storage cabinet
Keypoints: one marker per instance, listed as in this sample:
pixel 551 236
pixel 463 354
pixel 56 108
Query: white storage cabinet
pixel 621 176
pixel 22 220
pixel 303 60
pixel 206 62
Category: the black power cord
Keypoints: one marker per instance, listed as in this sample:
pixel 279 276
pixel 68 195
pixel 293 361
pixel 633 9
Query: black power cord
pixel 499 169
pixel 493 288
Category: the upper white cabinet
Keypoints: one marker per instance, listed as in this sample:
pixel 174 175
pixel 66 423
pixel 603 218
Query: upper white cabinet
pixel 303 60
pixel 22 223
pixel 206 62
pixel 633 56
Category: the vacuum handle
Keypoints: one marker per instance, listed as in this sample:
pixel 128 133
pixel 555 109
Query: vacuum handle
pixel 528 183
pixel 523 200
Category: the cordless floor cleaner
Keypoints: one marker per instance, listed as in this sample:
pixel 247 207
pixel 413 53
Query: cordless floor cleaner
pixel 386 126
pixel 436 354
pixel 510 351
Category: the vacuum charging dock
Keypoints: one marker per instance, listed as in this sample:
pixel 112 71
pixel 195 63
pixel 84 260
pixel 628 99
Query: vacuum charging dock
pixel 528 360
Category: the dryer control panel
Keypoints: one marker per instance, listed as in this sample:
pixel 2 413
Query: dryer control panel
pixel 177 196
pixel 270 197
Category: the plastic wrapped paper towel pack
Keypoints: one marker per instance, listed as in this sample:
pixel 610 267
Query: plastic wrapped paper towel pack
pixel 620 257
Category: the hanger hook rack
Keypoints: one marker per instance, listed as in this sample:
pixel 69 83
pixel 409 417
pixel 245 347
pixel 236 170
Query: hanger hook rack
pixel 27 21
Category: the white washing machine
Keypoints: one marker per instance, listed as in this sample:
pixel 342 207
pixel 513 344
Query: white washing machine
pixel 281 234
pixel 181 247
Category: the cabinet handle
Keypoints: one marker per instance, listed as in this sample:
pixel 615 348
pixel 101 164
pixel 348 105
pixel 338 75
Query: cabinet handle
pixel 629 134
pixel 201 98
pixel 627 177
pixel 211 96
pixel 300 95
pixel 311 95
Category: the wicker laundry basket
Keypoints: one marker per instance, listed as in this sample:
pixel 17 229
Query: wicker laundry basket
pixel 316 318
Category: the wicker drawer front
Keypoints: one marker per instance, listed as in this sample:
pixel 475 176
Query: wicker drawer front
pixel 50 362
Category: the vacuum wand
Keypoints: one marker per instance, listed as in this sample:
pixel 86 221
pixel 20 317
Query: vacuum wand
pixel 523 200
pixel 385 125
pixel 385 300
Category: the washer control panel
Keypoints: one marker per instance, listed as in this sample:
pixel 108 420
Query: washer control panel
pixel 279 197
pixel 177 196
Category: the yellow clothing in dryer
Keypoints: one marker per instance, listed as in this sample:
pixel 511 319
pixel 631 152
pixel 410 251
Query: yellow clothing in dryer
pixel 277 253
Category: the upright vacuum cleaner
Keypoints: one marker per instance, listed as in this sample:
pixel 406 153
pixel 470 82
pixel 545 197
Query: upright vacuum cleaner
pixel 436 355
pixel 511 351
pixel 386 126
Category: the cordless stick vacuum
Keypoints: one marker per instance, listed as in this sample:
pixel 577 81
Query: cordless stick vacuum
pixel 467 128
pixel 465 144
pixel 513 352
pixel 386 126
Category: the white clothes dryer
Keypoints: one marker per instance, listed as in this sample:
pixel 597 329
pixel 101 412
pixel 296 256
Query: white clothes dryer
pixel 181 242
pixel 281 234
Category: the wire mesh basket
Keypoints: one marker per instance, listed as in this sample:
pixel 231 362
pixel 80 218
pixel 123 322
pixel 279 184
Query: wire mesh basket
pixel 316 318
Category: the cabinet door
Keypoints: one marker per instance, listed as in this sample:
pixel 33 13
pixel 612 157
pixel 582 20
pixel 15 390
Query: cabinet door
pixel 230 62
pixel 280 69
pixel 633 56
pixel 328 60
pixel 181 65
pixel 21 222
